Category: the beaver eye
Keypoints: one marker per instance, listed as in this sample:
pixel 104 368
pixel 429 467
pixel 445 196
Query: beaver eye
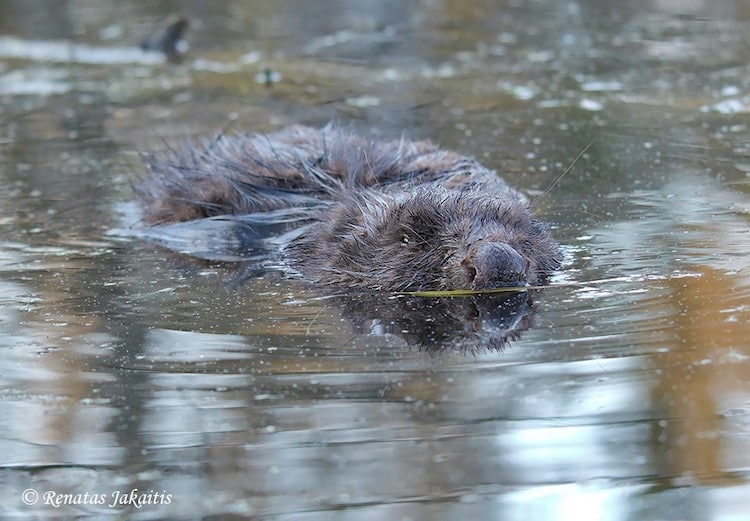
pixel 405 239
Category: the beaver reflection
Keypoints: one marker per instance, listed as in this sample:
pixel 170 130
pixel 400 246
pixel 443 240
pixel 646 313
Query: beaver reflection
pixel 471 324
pixel 480 322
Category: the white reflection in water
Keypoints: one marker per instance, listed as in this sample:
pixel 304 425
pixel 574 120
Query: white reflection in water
pixel 582 502
pixel 190 346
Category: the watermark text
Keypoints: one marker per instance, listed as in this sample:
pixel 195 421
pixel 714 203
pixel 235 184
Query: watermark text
pixel 116 499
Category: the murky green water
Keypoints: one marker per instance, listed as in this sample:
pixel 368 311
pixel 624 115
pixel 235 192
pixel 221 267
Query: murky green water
pixel 124 372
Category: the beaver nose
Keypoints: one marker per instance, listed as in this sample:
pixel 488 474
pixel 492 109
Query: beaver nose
pixel 495 265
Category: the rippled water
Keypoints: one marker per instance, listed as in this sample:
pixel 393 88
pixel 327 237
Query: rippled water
pixel 129 375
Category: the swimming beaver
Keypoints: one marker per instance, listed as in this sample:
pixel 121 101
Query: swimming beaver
pixel 396 216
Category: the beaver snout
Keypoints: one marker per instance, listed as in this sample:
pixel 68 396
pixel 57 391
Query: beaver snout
pixel 495 265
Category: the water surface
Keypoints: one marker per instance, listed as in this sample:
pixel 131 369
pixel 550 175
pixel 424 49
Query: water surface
pixel 123 369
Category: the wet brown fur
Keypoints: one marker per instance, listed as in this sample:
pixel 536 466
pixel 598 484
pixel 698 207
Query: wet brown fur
pixel 396 216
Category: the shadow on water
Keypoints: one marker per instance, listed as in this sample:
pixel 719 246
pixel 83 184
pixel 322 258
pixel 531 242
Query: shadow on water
pixel 133 388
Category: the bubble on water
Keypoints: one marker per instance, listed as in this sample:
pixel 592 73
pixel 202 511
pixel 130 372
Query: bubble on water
pixel 600 86
pixel 541 56
pixel 590 104
pixel 251 57
pixel 391 74
pixel 522 92
pixel 363 101
pixel 110 32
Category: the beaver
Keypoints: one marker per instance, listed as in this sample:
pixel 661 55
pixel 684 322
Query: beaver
pixel 351 212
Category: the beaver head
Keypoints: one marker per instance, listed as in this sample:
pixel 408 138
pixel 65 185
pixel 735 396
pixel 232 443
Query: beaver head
pixel 429 238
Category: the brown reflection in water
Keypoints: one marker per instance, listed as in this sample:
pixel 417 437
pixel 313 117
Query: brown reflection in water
pixel 697 376
pixel 61 381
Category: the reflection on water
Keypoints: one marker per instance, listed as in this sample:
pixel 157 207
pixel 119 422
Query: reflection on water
pixel 470 324
pixel 625 397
